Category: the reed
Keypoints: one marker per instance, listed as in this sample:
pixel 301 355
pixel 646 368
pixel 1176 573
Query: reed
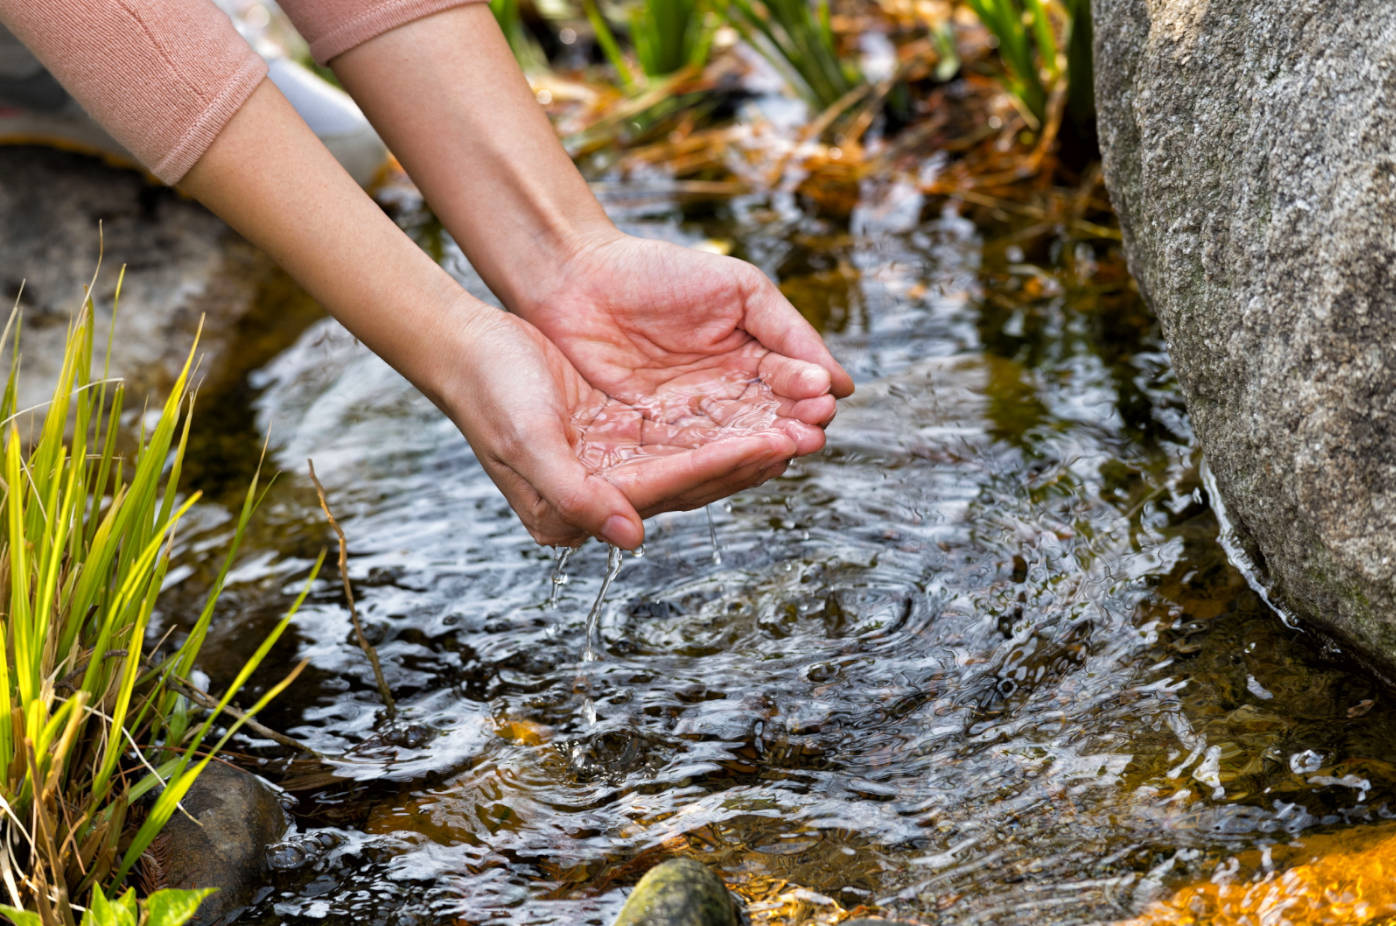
pixel 671 35
pixel 1036 64
pixel 99 745
pixel 796 37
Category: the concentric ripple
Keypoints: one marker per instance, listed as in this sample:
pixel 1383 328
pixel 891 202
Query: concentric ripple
pixel 980 661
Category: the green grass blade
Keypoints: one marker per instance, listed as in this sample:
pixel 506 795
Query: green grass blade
pixel 1046 39
pixel 175 790
pixel 607 40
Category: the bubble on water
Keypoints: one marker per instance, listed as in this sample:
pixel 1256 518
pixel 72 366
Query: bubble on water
pixel 1305 762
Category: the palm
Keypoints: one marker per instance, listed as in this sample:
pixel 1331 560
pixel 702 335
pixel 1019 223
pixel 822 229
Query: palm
pixel 673 333
pixel 557 446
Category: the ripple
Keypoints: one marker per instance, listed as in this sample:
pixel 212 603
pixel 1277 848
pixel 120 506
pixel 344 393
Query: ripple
pixel 979 661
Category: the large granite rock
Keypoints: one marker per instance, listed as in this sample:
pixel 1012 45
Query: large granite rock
pixel 1250 149
pixel 182 264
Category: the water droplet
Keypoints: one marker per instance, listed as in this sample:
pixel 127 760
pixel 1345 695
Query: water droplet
pixel 712 535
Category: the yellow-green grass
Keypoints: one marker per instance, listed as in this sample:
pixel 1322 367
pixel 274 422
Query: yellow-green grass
pixel 98 747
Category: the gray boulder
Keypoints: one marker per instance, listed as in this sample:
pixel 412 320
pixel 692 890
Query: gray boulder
pixel 1250 150
pixel 182 264
pixel 679 892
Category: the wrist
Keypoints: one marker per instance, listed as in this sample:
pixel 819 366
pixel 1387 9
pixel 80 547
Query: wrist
pixel 450 352
pixel 555 261
pixel 480 148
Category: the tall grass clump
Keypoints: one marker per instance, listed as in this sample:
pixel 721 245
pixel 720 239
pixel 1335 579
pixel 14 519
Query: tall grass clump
pixel 1034 62
pixel 668 36
pixel 796 37
pixel 98 746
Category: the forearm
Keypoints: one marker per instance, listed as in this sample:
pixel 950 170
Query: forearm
pixel 504 385
pixel 445 93
pixel 269 177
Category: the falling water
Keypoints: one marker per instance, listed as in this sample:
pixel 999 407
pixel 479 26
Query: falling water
pixel 712 535
pixel 559 576
pixel 613 559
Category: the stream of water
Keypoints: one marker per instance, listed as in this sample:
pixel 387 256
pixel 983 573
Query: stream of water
pixel 980 661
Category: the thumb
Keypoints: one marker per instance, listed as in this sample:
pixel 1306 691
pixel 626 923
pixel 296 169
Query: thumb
pixel 586 501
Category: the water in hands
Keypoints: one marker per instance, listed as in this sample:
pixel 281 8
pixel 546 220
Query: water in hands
pixel 674 420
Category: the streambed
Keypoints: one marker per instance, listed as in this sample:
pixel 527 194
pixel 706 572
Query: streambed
pixel 980 661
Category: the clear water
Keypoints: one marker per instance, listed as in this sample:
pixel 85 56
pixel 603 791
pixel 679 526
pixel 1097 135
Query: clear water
pixel 980 661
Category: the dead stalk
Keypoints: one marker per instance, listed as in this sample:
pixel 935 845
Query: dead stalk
pixel 369 651
pixel 204 699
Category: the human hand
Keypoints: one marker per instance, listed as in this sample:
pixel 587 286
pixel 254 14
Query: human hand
pixel 573 461
pixel 663 327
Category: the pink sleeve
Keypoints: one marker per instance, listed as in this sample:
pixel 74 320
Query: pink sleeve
pixel 162 76
pixel 333 27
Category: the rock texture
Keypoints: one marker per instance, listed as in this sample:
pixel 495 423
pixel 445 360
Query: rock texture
pixel 238 818
pixel 1250 150
pixel 679 892
pixel 181 264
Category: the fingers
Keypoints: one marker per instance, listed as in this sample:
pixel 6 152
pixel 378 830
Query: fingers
pixel 772 320
pixel 561 502
pixel 696 477
pixel 808 438
pixel 795 379
pixel 818 411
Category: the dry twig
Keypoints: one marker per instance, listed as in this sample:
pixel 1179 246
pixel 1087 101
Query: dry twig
pixel 364 645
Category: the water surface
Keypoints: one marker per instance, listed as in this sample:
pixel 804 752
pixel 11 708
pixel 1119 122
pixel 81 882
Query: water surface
pixel 980 661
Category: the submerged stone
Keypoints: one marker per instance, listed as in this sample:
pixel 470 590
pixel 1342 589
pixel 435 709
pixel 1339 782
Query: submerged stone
pixel 1248 151
pixel 679 892
pixel 1324 879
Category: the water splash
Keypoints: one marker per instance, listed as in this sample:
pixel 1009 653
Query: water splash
pixel 613 561
pixel 559 574
pixel 712 535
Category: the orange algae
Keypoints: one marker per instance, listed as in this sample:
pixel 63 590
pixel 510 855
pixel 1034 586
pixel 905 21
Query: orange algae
pixel 1343 878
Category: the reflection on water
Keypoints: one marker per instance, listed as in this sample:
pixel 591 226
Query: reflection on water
pixel 979 661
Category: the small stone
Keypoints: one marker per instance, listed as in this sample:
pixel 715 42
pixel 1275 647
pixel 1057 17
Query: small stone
pixel 238 817
pixel 679 892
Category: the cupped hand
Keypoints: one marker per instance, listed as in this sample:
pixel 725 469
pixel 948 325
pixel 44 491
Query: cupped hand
pixel 665 328
pixel 574 461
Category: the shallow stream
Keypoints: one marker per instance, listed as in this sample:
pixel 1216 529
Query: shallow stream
pixel 980 661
